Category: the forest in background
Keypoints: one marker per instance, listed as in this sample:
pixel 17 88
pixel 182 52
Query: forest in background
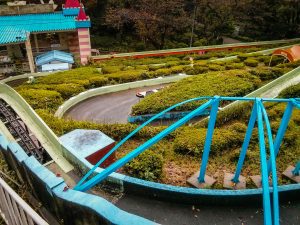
pixel 137 25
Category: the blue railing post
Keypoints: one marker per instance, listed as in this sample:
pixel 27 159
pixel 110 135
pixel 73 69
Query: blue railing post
pixel 281 131
pixel 296 171
pixel 273 167
pixel 245 145
pixel 264 167
pixel 208 140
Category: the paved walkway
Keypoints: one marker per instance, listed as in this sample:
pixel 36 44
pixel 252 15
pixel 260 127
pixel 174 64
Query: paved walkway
pixel 180 214
pixel 109 108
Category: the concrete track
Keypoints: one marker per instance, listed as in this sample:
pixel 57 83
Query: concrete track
pixel 168 213
pixel 109 108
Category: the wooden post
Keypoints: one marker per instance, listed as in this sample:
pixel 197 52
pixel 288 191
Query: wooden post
pixel 29 54
pixel 36 43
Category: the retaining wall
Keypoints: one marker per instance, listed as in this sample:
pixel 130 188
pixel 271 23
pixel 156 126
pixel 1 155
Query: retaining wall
pixel 68 206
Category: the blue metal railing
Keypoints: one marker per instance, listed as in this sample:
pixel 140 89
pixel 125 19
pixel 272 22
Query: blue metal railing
pixel 258 115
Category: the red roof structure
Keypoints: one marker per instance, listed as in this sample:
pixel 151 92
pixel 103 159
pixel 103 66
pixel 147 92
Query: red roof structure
pixel 72 4
pixel 82 15
pixel 292 54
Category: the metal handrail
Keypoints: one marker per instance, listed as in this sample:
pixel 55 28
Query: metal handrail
pixel 14 210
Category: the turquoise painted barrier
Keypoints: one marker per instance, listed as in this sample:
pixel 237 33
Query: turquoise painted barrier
pixel 167 116
pixel 68 205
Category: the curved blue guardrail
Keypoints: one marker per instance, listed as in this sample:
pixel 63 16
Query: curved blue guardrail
pixel 258 115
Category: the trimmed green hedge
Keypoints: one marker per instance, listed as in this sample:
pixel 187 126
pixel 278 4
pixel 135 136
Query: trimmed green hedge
pixel 116 131
pixel 42 99
pixel 191 140
pixel 251 62
pixel 268 73
pixel 291 92
pixel 147 166
pixel 226 83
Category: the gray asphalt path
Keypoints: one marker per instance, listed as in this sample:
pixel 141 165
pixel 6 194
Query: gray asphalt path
pixel 109 108
pixel 167 213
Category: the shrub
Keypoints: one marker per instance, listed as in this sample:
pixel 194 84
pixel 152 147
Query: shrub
pixel 233 66
pixel 177 69
pixel 126 76
pixel 276 60
pixel 251 62
pixel 111 69
pixel 195 70
pixel 264 59
pixel 227 83
pixel 243 56
pixel 268 73
pixel 147 166
pixel 98 81
pixel 116 131
pixel 291 92
pixel 155 67
pixel 191 140
pixel 68 90
pixel 216 67
pixel 42 98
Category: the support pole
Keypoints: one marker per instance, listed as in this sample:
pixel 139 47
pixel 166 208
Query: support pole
pixel 29 54
pixel 208 140
pixel 264 168
pixel 245 146
pixel 273 163
pixel 36 43
pixel 281 131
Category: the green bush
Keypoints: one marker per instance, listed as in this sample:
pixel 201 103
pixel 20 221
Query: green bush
pixel 276 60
pixel 243 56
pixel 251 62
pixel 116 131
pixel 264 59
pixel 215 67
pixel 68 90
pixel 147 166
pixel 155 67
pixel 195 70
pixel 227 83
pixel 233 66
pixel 111 69
pixel 98 81
pixel 291 92
pixel 42 99
pixel 191 140
pixel 269 73
pixel 126 76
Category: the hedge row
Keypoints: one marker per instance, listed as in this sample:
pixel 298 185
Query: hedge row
pixel 116 131
pixel 291 92
pixel 147 166
pixel 191 140
pixel 227 83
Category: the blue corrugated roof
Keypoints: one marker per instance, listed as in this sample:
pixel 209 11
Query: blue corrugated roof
pixel 12 35
pixel 54 56
pixel 10 26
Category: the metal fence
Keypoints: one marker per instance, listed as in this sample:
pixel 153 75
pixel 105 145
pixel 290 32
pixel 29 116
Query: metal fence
pixel 14 210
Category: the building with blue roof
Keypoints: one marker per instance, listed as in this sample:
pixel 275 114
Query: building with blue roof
pixel 54 60
pixel 27 31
